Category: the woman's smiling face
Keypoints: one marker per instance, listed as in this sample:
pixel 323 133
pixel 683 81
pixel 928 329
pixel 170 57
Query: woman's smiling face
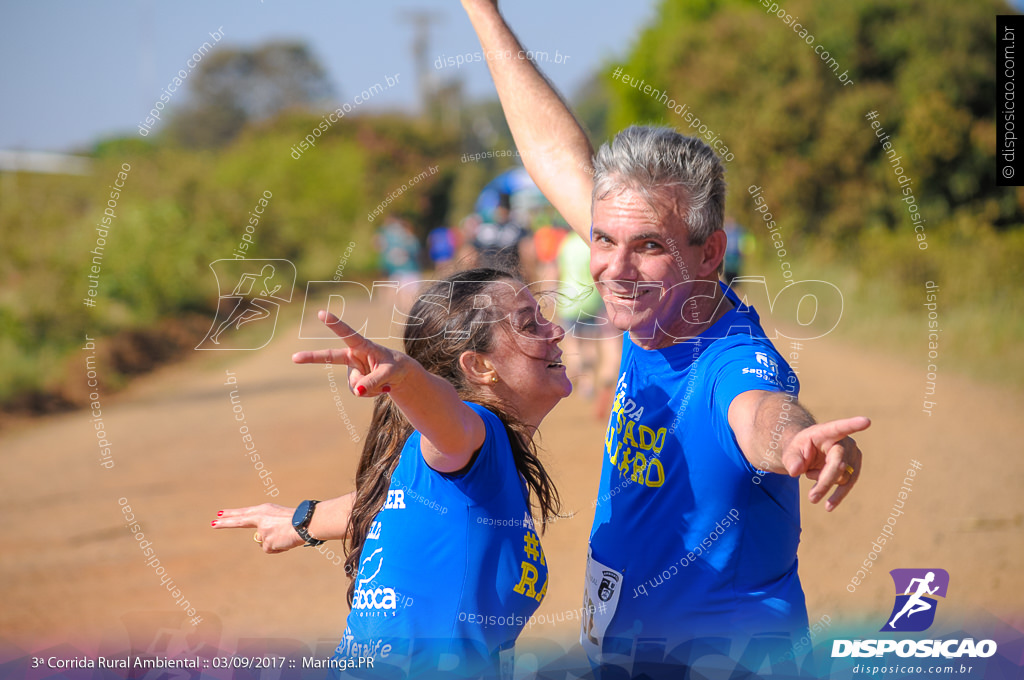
pixel 526 356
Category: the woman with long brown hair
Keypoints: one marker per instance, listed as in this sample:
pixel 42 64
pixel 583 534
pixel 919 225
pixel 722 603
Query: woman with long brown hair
pixel 439 531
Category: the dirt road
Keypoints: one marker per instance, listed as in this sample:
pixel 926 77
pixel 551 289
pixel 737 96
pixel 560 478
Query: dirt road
pixel 73 573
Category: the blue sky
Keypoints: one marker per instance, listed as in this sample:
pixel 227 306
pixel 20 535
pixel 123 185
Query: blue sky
pixel 71 72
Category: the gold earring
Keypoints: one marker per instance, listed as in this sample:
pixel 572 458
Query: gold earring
pixel 494 378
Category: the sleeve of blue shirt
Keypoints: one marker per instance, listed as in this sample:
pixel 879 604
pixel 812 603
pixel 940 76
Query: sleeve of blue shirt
pixel 742 364
pixel 485 476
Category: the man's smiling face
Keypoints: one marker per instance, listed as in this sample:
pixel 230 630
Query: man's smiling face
pixel 638 258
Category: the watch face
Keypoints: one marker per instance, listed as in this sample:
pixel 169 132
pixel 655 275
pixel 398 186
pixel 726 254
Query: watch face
pixel 299 518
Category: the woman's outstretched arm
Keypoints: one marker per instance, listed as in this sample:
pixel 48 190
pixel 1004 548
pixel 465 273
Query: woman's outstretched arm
pixel 273 523
pixel 451 431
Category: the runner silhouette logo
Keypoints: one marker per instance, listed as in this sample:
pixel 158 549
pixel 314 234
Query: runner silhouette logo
pixel 250 294
pixel 916 593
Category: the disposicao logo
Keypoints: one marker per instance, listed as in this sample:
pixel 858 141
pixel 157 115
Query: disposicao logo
pixel 913 612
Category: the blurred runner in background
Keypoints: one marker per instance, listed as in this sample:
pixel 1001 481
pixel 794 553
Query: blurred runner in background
pixel 442 244
pixel 738 248
pixel 546 240
pixel 503 243
pixel 400 259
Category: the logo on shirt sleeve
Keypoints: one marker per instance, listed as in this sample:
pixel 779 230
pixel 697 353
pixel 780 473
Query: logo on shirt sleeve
pixel 768 369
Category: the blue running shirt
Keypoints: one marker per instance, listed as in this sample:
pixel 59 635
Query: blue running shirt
pixel 690 539
pixel 452 567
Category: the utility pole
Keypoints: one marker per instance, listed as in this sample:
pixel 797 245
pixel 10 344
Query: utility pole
pixel 422 20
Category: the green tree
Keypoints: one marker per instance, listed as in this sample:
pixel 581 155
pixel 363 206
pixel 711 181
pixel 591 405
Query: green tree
pixel 798 131
pixel 234 86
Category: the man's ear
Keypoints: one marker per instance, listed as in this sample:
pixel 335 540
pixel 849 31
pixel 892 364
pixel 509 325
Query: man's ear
pixel 713 252
pixel 477 368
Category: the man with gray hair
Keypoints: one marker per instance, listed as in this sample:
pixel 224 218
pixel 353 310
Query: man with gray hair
pixel 698 513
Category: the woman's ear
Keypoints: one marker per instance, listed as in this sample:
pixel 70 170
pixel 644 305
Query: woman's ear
pixel 477 368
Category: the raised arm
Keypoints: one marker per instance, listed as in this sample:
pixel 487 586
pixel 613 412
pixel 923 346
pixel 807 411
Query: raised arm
pixel 451 431
pixel 554 148
pixel 824 452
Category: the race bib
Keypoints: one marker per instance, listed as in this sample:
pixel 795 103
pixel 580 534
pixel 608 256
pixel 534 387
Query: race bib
pixel 601 590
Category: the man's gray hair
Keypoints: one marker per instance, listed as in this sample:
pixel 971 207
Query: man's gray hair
pixel 659 163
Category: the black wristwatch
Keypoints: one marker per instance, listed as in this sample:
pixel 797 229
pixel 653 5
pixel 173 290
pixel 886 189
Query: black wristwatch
pixel 301 519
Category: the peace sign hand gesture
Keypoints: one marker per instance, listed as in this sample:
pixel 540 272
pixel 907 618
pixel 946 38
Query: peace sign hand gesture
pixel 373 369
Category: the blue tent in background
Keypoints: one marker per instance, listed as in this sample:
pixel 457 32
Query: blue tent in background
pixel 516 184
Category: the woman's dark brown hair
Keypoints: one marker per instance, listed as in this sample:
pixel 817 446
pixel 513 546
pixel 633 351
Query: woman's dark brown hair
pixel 444 323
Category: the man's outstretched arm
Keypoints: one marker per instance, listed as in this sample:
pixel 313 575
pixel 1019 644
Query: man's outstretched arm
pixel 554 148
pixel 822 451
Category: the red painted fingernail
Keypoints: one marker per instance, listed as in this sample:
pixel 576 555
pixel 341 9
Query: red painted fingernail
pixel 360 390
pixel 386 388
pixel 213 523
pixel 220 513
